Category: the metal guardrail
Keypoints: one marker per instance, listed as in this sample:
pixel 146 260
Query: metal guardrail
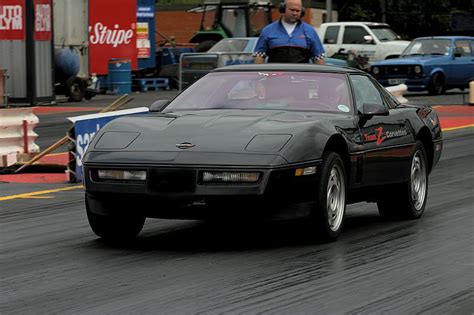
pixel 3 88
pixel 223 59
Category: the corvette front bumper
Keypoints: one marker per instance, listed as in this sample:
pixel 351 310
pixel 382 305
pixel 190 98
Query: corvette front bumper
pixel 171 192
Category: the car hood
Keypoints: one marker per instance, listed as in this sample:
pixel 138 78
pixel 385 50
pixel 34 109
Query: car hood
pixel 212 131
pixel 397 45
pixel 416 60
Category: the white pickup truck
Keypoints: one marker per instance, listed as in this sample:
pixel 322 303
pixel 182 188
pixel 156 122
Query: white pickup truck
pixel 377 41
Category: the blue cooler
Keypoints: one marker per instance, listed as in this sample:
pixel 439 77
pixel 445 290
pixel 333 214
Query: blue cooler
pixel 120 75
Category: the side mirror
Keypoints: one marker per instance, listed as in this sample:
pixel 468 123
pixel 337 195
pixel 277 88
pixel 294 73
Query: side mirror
pixel 368 39
pixel 374 109
pixel 458 51
pixel 159 105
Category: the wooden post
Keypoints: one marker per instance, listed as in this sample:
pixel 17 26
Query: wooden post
pixel 25 136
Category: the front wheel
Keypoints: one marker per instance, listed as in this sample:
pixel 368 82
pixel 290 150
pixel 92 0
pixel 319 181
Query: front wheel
pixel 115 227
pixel 408 200
pixel 330 206
pixel 436 85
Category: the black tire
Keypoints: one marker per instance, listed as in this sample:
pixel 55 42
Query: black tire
pixel 330 206
pixel 205 45
pixel 118 227
pixel 75 89
pixel 89 95
pixel 408 200
pixel 436 85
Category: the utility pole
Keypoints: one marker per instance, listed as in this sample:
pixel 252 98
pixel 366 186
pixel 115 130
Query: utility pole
pixel 383 8
pixel 328 10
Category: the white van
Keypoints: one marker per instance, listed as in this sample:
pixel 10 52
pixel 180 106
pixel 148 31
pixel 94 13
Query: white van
pixel 377 41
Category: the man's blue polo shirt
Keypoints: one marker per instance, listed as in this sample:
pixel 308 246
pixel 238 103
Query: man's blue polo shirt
pixel 275 37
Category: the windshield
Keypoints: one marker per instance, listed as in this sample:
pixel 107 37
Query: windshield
pixel 429 46
pixel 209 18
pixel 234 21
pixel 298 91
pixel 231 45
pixel 384 33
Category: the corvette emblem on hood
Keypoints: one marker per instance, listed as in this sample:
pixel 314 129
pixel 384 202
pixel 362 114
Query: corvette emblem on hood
pixel 185 145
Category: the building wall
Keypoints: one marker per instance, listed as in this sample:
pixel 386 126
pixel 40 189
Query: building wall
pixel 13 59
pixel 317 17
pixel 182 24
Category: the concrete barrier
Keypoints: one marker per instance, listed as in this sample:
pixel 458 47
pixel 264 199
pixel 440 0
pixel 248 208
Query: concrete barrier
pixel 398 91
pixel 17 138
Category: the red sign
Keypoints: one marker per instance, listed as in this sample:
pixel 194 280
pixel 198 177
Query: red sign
pixel 12 20
pixel 112 33
pixel 42 19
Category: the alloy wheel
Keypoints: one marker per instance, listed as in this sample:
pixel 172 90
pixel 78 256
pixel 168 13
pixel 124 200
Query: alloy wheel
pixel 418 180
pixel 336 195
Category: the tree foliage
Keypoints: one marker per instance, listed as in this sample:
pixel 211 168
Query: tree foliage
pixel 409 18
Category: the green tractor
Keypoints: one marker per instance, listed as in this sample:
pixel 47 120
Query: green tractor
pixel 230 18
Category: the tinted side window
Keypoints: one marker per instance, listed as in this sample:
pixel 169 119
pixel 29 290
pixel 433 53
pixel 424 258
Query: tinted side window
pixel 464 47
pixel 354 35
pixel 365 91
pixel 331 34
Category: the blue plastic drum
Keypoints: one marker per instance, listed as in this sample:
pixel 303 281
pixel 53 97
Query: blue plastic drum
pixel 120 75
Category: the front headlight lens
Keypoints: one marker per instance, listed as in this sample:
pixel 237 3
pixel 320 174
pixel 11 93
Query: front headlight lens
pixel 121 175
pixel 230 177
pixel 417 69
pixel 375 70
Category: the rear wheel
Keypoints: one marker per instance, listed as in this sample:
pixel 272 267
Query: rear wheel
pixel 115 227
pixel 330 207
pixel 408 200
pixel 436 85
pixel 75 89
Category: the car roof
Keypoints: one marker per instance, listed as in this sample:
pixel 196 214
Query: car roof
pixel 287 67
pixel 236 2
pixel 445 37
pixel 252 42
pixel 357 23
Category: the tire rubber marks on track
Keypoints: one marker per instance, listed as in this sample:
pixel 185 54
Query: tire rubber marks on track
pixel 38 194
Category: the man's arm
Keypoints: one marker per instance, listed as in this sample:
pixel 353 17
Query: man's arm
pixel 317 49
pixel 261 48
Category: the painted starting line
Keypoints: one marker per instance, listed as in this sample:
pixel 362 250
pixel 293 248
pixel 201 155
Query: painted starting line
pixel 37 194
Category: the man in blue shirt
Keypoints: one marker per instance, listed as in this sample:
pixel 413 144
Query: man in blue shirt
pixel 289 39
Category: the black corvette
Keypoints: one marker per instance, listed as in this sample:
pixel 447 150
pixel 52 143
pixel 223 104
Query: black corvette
pixel 263 141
